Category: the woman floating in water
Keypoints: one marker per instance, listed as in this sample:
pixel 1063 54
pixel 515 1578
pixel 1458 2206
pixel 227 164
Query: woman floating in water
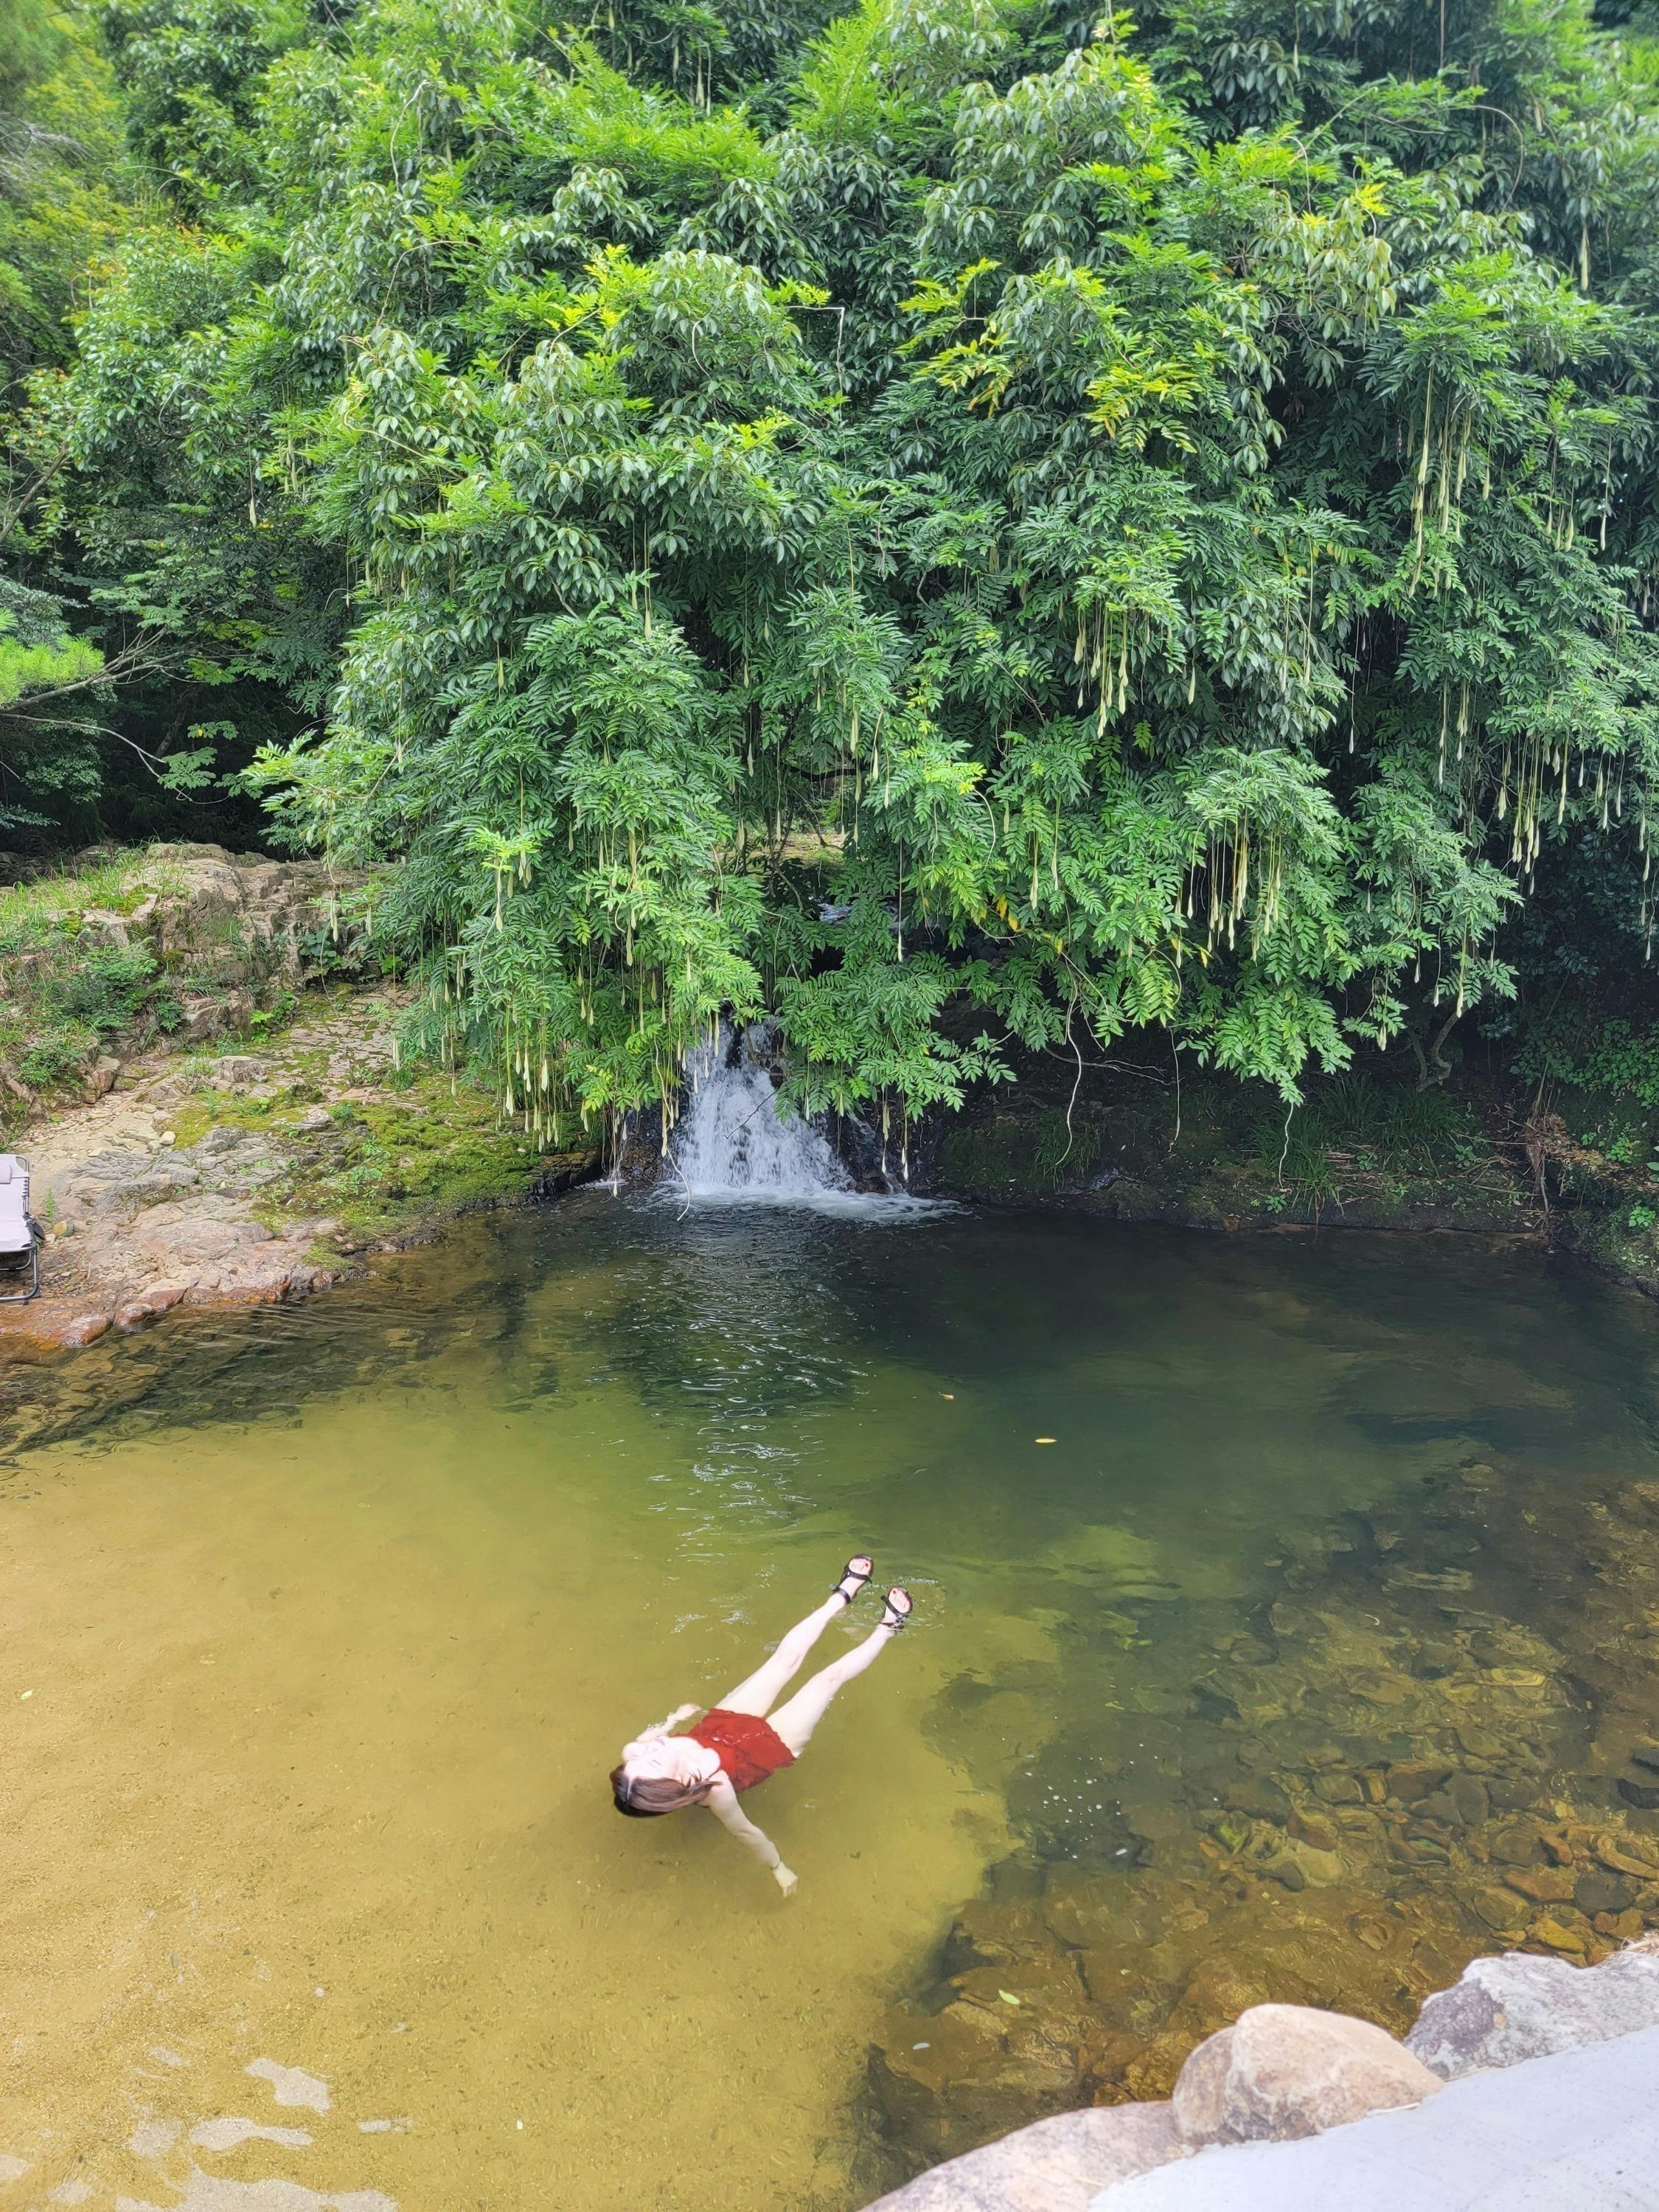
pixel 736 1746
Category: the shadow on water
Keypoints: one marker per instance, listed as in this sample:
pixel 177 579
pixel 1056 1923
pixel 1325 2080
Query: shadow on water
pixel 1285 1628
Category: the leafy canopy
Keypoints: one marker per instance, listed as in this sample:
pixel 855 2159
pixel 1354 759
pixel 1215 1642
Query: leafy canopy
pixel 959 524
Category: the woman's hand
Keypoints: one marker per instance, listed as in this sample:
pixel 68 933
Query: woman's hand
pixel 722 1803
pixel 681 1713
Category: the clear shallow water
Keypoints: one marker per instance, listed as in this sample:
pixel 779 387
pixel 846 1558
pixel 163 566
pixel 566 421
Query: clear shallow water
pixel 324 1625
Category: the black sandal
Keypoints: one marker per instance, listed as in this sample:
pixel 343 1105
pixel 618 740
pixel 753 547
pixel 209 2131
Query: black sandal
pixel 851 1572
pixel 899 1611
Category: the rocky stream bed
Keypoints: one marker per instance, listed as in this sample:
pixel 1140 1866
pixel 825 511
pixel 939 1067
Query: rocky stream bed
pixel 1337 1801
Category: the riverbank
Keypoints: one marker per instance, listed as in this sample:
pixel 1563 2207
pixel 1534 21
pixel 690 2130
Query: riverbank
pixel 198 1051
pixel 240 1176
pixel 1125 1141
pixel 1528 2081
pixel 1574 1169
pixel 220 1113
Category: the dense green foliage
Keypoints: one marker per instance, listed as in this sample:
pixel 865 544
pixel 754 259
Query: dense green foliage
pixel 957 523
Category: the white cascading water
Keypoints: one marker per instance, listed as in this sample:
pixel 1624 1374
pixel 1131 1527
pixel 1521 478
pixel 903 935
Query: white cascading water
pixel 732 1141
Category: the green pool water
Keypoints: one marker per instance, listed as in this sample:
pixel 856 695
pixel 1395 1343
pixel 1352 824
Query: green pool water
pixel 1333 1595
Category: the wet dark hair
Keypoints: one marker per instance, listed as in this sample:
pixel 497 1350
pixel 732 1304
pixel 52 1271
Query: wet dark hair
pixel 644 1795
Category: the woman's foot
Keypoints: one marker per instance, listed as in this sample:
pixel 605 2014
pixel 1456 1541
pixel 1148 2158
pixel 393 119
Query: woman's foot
pixel 898 1609
pixel 854 1575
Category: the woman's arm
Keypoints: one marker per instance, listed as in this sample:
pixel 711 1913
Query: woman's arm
pixel 722 1803
pixel 661 1728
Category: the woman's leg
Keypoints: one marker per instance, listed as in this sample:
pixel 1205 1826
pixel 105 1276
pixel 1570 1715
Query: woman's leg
pixel 796 1721
pixel 757 1692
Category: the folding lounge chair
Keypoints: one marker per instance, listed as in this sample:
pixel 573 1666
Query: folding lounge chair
pixel 20 1237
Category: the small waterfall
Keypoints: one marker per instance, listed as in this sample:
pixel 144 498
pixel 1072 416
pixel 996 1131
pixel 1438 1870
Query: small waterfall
pixel 732 1143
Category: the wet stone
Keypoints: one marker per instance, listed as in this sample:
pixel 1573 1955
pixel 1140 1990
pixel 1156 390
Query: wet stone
pixel 1624 1857
pixel 1623 1927
pixel 1047 1989
pixel 1481 1743
pixel 1500 1909
pixel 1515 1846
pixel 1339 1790
pixel 966 2084
pixel 1468 1794
pixel 1086 1910
pixel 1154 2073
pixel 1257 1795
pixel 1411 1780
pixel 1604 1893
pixel 987 1934
pixel 1514 1793
pixel 1317 1829
pixel 1559 1935
pixel 1543 1885
pixel 1123 1999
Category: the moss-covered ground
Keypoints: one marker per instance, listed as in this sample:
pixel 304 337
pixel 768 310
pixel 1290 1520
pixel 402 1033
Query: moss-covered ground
pixel 355 1137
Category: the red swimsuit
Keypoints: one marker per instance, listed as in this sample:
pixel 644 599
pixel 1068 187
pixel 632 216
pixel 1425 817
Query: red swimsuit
pixel 749 1749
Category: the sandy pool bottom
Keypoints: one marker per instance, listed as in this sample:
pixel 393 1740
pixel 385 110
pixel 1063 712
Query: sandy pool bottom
pixel 312 1872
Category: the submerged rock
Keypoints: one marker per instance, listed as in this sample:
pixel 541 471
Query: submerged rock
pixel 947 2081
pixel 1352 1848
pixel 1284 2071
pixel 1543 1885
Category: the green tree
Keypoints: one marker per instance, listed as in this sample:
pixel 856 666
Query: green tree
pixel 960 526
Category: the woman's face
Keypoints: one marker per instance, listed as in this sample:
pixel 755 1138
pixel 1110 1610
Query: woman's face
pixel 673 1758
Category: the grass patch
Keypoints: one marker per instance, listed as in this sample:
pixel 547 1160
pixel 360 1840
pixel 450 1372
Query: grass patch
pixel 53 905
pixel 68 987
pixel 1358 1124
pixel 1033 1150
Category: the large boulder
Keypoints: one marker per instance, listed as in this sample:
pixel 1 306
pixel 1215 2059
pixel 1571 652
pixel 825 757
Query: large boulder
pixel 1054 2166
pixel 245 903
pixel 1503 2010
pixel 1282 2071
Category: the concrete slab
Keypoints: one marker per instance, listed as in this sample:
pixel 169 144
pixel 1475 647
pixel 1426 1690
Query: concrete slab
pixel 1575 2132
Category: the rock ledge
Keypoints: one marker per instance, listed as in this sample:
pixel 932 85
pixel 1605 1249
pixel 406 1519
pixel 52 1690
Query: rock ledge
pixel 1284 2079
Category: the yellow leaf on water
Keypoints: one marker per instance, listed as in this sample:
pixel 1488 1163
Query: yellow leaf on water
pixel 1008 1998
